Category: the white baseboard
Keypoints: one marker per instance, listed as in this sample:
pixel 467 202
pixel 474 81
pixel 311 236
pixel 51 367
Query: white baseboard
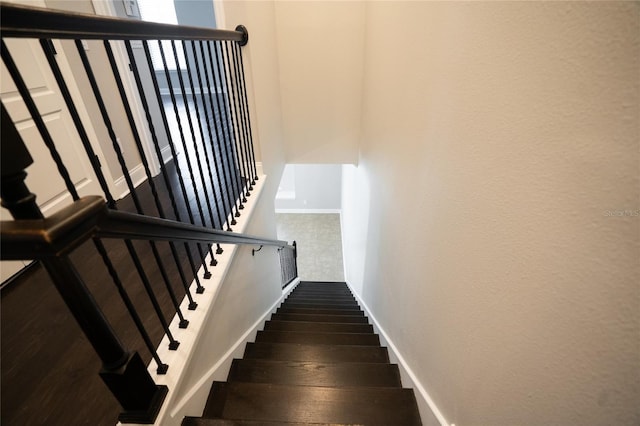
pixel 426 405
pixel 221 367
pixel 137 175
pixel 310 211
pixel 166 154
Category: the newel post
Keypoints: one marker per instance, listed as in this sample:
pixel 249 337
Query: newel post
pixel 123 372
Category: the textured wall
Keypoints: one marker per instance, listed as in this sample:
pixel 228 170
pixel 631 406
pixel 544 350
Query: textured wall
pixel 499 181
pixel 321 51
pixel 316 187
pixel 262 79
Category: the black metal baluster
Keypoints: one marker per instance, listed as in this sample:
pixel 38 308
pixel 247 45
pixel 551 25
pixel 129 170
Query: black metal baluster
pixel 295 259
pixel 156 146
pixel 212 140
pixel 195 143
pixel 229 138
pixel 37 118
pixel 134 255
pixel 207 274
pixel 219 141
pixel 162 368
pixel 224 123
pixel 247 117
pixel 199 288
pixel 235 120
pixel 156 143
pixel 204 145
pixel 243 122
pixel 282 273
pixel 163 170
pixel 124 373
pixel 125 172
pixel 145 163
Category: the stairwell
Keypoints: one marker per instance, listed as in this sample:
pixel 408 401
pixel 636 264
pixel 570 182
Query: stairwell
pixel 317 361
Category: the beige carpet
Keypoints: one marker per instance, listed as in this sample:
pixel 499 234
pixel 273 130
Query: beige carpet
pixel 319 244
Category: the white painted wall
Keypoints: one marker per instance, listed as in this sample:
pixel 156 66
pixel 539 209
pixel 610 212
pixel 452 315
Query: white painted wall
pixel 356 196
pixel 321 53
pixel 315 187
pixel 496 140
pixel 262 72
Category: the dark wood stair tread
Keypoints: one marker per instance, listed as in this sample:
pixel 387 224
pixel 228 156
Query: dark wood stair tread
pixel 320 311
pixel 305 373
pixel 326 302
pixel 324 283
pixel 320 300
pixel 318 293
pixel 320 317
pixel 283 403
pixel 315 353
pixel 321 293
pixel 327 288
pixel 326 327
pixel 326 294
pixel 366 339
pixel 316 362
pixel 291 305
pixel 199 421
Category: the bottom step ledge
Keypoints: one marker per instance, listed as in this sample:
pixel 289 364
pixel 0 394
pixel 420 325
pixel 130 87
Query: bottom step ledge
pixel 199 421
pixel 311 404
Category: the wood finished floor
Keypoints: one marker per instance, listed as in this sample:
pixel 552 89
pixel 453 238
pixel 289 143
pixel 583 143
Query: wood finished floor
pixel 49 370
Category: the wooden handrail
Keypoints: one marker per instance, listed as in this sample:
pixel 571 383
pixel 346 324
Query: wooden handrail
pixel 89 217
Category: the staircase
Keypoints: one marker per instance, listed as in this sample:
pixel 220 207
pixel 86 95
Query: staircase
pixel 317 361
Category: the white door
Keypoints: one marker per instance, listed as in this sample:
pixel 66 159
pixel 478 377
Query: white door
pixel 43 177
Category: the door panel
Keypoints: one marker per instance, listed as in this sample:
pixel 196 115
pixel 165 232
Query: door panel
pixel 43 177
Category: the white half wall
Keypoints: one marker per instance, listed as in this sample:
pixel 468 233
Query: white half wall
pixel 250 289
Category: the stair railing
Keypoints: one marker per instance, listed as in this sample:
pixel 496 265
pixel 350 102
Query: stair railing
pixel 288 263
pixel 207 95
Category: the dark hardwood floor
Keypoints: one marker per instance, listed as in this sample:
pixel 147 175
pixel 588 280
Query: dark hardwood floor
pixel 49 370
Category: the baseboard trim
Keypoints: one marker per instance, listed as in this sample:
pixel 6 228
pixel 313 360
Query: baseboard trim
pixel 425 402
pixel 137 175
pixel 225 361
pixel 166 154
pixel 7 284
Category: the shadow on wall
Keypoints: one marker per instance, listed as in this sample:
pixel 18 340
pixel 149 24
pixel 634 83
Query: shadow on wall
pixel 310 188
pixel 356 212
